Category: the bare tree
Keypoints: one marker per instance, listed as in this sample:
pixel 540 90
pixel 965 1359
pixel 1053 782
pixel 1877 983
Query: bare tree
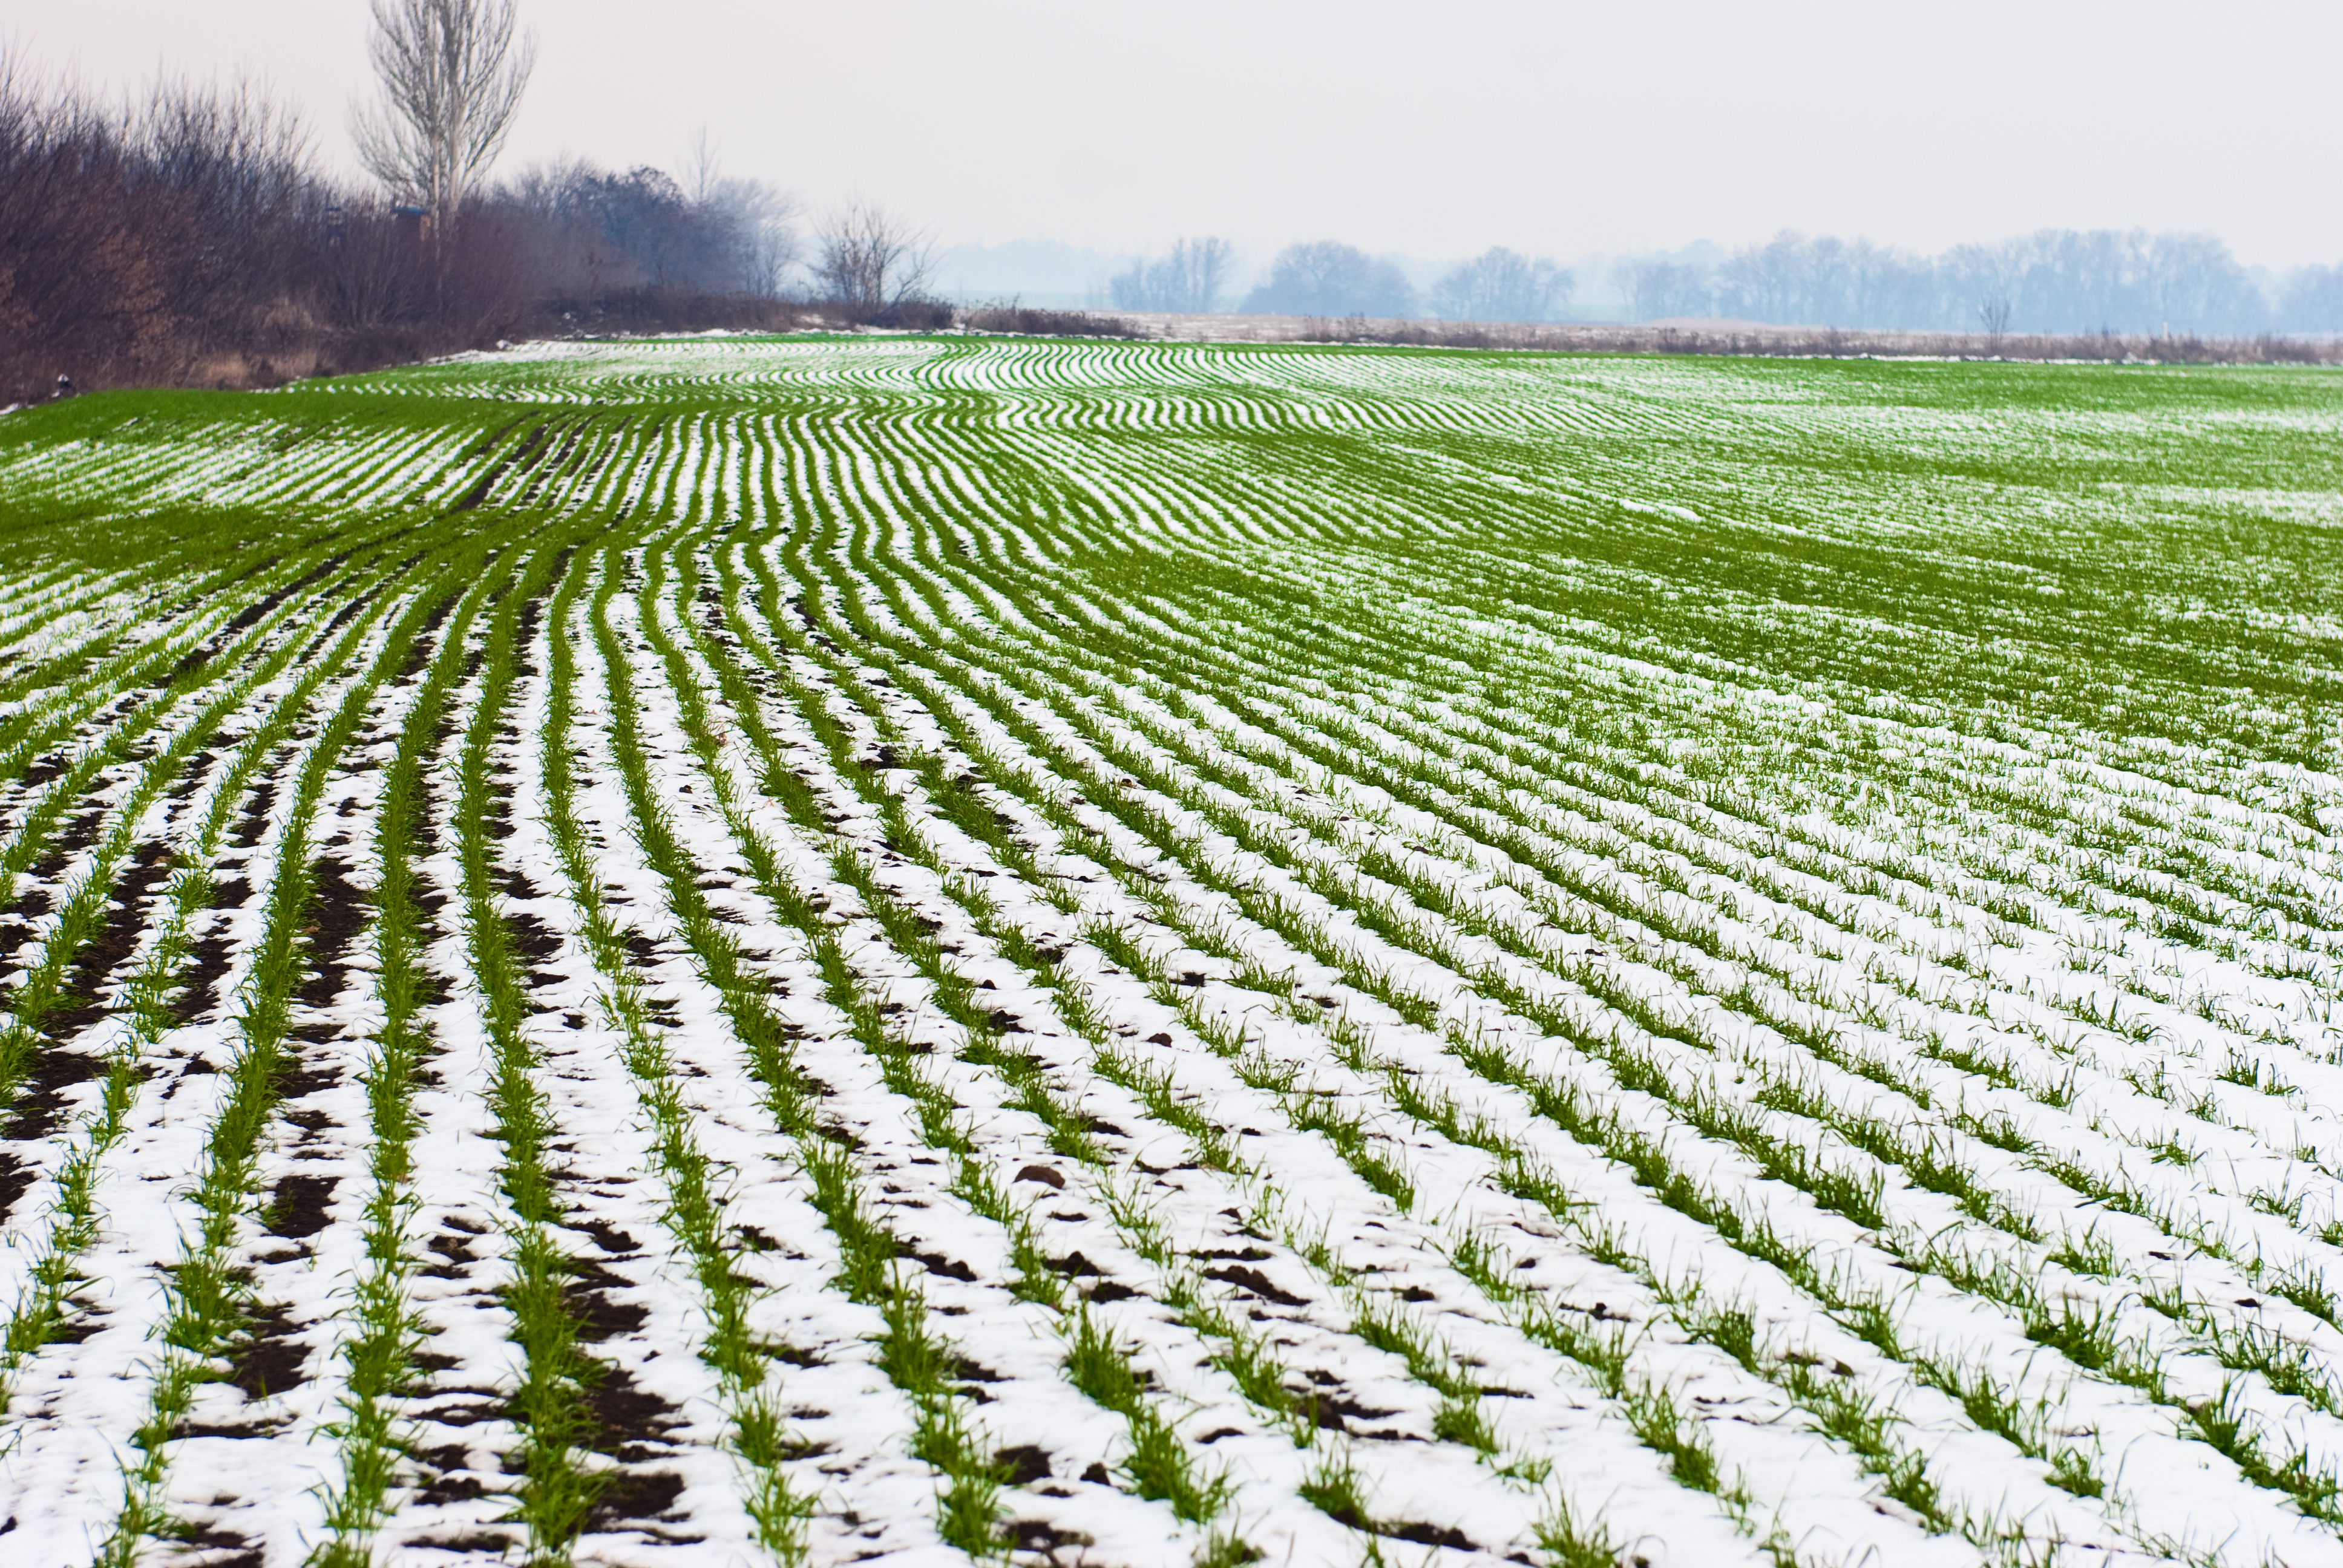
pixel 1327 277
pixel 767 238
pixel 1206 266
pixel 2313 300
pixel 79 288
pixel 1993 313
pixel 227 169
pixel 135 241
pixel 1659 289
pixel 870 259
pixel 758 218
pixel 1191 279
pixel 452 75
pixel 703 171
pixel 1501 285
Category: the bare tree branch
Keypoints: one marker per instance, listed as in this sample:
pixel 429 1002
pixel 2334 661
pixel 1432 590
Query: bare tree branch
pixel 703 171
pixel 452 75
pixel 872 259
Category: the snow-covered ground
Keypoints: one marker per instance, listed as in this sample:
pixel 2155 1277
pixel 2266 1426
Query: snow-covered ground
pixel 1128 954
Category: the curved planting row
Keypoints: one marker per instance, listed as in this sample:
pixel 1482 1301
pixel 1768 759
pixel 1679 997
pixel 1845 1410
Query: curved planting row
pixel 932 950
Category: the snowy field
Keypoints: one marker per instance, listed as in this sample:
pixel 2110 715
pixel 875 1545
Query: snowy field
pixel 912 950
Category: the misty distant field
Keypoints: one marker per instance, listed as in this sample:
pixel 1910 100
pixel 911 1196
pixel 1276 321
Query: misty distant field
pixel 918 949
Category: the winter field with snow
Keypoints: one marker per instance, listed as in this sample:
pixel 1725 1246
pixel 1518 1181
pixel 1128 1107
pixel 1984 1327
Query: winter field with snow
pixel 916 951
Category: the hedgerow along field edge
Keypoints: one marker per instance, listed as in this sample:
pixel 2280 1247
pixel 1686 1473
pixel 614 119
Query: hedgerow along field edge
pixel 934 950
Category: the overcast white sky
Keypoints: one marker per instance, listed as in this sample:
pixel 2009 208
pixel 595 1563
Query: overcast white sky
pixel 1434 129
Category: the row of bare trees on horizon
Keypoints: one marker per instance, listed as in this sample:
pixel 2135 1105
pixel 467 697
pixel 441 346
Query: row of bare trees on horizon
pixel 189 236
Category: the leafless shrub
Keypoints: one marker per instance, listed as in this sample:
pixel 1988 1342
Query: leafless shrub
pixel 234 168
pixel 1795 343
pixel 870 263
pixel 134 242
pixel 75 276
pixel 1339 330
pixel 186 237
pixel 374 273
pixel 1027 321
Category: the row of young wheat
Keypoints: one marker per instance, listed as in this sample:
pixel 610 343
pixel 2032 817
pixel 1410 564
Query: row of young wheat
pixel 1145 954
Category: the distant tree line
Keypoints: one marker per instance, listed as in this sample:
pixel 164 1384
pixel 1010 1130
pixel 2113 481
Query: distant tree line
pixel 1193 279
pixel 191 237
pixel 160 241
pixel 150 234
pixel 1756 339
pixel 2059 281
pixel 185 238
pixel 1328 278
